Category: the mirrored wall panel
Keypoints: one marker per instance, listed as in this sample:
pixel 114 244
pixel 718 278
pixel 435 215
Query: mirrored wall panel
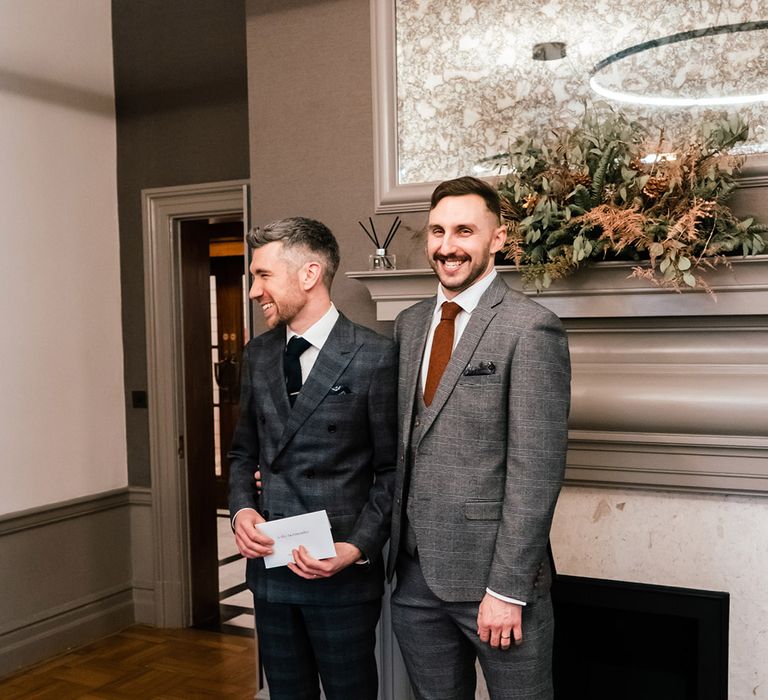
pixel 472 76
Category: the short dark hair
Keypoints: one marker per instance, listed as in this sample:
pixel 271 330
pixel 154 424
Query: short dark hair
pixel 461 186
pixel 303 235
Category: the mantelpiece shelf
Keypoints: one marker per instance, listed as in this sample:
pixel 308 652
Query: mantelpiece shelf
pixel 604 290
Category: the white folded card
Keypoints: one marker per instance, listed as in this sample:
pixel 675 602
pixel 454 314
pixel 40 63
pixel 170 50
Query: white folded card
pixel 313 530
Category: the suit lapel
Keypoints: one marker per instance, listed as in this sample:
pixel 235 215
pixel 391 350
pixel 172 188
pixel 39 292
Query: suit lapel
pixel 462 353
pixel 333 359
pixel 413 350
pixel 273 374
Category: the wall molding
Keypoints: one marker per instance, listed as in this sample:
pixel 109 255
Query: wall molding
pixel 56 599
pixel 64 510
pixel 71 626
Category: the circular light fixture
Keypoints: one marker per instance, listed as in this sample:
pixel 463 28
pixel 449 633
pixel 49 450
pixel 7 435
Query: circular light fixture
pixel 662 101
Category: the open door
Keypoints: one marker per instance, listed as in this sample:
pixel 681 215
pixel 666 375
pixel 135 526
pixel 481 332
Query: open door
pixel 213 309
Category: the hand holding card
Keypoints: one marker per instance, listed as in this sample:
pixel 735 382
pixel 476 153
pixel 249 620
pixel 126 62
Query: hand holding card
pixel 313 530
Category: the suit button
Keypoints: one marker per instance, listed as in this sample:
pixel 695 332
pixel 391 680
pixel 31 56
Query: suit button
pixel 331 428
pixel 398 501
pixel 417 422
pixel 310 474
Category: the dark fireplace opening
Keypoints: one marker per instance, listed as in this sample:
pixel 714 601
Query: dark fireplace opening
pixel 616 640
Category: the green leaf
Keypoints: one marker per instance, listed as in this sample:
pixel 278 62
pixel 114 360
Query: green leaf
pixel 626 174
pixel 665 264
pixel 689 279
pixel 683 263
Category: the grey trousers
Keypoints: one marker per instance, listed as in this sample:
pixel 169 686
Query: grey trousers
pixel 439 643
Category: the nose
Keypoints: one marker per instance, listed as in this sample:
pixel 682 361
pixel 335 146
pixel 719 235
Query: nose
pixel 255 291
pixel 447 244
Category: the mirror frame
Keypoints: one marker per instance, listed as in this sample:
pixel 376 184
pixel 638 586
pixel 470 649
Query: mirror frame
pixel 390 195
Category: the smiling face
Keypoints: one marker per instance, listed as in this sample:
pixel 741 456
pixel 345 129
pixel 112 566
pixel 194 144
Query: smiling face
pixel 463 235
pixel 277 285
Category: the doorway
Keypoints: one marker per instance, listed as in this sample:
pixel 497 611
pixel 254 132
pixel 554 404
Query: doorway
pixel 180 373
pixel 214 330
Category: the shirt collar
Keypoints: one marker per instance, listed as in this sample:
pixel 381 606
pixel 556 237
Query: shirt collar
pixel 470 297
pixel 319 331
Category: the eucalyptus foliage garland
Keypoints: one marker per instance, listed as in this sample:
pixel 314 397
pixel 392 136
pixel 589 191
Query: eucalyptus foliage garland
pixel 605 191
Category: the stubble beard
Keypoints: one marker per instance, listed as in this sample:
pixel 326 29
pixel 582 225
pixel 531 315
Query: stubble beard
pixel 474 272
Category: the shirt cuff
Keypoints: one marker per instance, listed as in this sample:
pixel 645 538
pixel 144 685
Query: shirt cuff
pixel 234 517
pixel 499 596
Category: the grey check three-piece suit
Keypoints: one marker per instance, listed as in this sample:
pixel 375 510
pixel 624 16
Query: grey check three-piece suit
pixel 480 469
pixel 333 450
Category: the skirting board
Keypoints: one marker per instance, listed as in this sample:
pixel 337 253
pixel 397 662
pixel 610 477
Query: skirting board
pixel 70 574
pixel 66 630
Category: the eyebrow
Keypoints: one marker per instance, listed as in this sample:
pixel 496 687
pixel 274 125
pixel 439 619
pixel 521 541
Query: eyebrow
pixel 437 225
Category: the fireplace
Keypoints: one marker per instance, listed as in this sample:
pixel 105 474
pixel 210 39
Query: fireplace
pixel 628 641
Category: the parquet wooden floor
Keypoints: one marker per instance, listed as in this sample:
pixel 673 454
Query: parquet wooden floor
pixel 144 663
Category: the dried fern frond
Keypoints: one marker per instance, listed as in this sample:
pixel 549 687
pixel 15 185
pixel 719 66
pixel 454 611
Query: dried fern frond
pixel 622 227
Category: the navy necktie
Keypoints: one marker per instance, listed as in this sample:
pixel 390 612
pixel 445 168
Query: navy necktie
pixel 292 366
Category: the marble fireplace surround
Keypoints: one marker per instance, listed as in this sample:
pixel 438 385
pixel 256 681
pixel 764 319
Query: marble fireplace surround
pixel 670 391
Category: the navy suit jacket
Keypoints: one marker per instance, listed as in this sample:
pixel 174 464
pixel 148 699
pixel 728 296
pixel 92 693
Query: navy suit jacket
pixel 335 449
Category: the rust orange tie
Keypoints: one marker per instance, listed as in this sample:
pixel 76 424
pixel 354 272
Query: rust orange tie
pixel 442 345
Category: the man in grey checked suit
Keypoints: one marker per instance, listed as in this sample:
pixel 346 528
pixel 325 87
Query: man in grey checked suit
pixel 330 445
pixel 482 442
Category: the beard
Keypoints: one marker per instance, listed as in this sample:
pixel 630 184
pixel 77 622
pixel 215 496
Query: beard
pixel 284 310
pixel 464 276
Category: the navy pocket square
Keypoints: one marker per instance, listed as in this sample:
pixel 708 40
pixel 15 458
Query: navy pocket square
pixel 480 369
pixel 339 390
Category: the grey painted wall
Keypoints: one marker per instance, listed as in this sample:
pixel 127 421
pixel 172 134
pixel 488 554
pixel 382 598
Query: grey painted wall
pixel 311 131
pixel 182 118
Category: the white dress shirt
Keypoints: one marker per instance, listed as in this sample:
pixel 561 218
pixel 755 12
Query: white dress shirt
pixel 468 301
pixel 316 335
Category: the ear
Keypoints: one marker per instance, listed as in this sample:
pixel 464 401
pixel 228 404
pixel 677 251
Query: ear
pixel 498 239
pixel 310 275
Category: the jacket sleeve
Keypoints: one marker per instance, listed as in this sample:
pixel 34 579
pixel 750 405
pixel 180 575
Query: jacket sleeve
pixel 371 530
pixel 537 439
pixel 244 451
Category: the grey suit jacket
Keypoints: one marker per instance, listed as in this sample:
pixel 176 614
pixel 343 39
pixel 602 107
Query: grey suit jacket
pixel 486 472
pixel 333 451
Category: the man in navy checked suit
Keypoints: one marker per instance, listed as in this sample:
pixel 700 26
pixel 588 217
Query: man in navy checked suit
pixel 330 446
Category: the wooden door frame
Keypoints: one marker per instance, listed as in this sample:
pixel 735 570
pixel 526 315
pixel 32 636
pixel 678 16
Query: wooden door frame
pixel 162 209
